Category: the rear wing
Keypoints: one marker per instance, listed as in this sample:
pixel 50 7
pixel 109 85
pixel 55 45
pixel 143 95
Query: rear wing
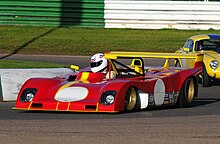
pixel 123 54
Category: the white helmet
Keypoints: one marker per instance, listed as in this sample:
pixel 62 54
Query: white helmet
pixel 98 62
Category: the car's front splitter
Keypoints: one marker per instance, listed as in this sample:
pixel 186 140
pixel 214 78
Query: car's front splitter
pixel 65 107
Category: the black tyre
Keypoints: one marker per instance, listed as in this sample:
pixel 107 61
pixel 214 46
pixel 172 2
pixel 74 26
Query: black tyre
pixel 199 78
pixel 188 91
pixel 131 99
pixel 206 79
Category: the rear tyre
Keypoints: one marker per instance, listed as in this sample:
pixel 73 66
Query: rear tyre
pixel 131 99
pixel 188 91
pixel 206 79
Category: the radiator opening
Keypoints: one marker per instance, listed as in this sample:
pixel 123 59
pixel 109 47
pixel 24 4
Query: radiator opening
pixel 37 105
pixel 92 107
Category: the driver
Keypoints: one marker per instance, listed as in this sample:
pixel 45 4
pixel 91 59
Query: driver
pixel 99 63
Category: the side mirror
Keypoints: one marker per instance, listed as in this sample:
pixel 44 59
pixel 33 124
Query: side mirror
pixel 186 50
pixel 74 67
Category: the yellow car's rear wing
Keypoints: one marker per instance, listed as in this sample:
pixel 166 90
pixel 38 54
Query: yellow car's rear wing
pixel 167 56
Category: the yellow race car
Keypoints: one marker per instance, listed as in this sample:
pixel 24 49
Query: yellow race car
pixel 209 46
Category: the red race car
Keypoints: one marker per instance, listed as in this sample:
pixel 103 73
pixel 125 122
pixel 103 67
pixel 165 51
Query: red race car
pixel 112 85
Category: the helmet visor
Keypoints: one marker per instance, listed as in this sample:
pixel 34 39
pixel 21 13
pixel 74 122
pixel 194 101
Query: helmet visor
pixel 96 64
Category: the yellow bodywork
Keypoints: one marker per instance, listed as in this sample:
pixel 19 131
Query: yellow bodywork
pixel 76 68
pixel 207 57
pixel 137 67
pixel 119 54
pixel 199 37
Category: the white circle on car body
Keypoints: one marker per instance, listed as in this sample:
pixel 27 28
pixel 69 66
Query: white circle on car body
pixel 159 92
pixel 71 94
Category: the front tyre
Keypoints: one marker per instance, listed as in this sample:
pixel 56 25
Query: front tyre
pixel 131 99
pixel 188 91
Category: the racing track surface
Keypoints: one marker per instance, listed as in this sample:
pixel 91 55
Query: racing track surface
pixel 198 124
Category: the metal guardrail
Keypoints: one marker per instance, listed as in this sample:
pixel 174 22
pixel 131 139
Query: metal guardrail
pixel 162 14
pixel 137 14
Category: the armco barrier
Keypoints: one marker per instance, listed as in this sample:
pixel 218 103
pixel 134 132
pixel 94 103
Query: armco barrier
pixel 11 80
pixel 135 14
pixel 143 14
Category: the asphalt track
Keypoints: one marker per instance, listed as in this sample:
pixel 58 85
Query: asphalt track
pixel 198 124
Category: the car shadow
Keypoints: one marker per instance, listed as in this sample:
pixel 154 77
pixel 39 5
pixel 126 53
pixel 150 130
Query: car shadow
pixel 204 101
pixel 196 103
pixel 216 82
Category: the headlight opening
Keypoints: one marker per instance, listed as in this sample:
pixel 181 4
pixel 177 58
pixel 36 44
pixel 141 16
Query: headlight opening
pixel 28 94
pixel 214 64
pixel 108 97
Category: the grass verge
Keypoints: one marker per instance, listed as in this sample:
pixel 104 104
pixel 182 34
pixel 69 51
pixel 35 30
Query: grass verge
pixel 87 41
pixel 28 64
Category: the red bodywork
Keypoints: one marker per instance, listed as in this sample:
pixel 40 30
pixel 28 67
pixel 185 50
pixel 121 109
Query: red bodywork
pixel 94 85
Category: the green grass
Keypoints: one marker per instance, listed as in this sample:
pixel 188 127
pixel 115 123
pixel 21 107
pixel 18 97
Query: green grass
pixel 28 64
pixel 87 41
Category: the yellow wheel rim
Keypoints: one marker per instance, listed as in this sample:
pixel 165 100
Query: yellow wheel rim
pixel 132 99
pixel 191 90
